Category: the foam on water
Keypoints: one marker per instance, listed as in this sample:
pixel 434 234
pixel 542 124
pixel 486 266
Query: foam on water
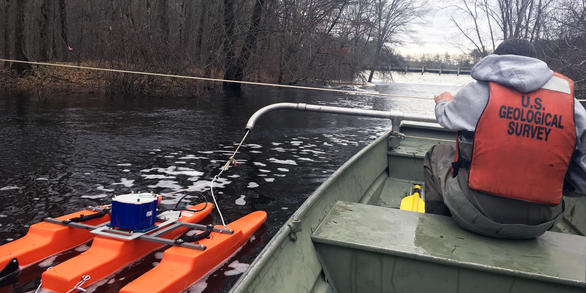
pixel 259 164
pixel 166 184
pixel 174 171
pixel 252 185
pixel 240 201
pixel 315 152
pixel 9 187
pixel 82 248
pixel 269 179
pixel 284 162
pixel 95 196
pixel 198 287
pixel 151 176
pixel 48 262
pixel 237 268
pixel 101 188
pixel 283 169
pixel 192 157
pixel 253 146
pixel 124 164
pixel 125 182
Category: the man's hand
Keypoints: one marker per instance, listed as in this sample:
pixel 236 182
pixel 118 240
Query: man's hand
pixel 445 96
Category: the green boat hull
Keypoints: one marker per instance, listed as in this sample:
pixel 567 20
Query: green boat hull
pixel 350 236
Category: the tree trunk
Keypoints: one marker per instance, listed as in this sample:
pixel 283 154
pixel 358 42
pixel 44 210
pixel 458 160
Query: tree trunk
pixel 164 22
pixel 236 71
pixel 6 53
pixel 44 43
pixel 379 46
pixel 63 16
pixel 19 42
pixel 200 31
pixel 229 38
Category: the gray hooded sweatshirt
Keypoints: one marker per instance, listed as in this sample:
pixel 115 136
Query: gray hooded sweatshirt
pixel 525 75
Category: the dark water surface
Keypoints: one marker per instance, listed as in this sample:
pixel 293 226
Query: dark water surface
pixel 62 152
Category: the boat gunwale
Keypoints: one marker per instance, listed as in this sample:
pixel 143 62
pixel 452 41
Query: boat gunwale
pixel 264 256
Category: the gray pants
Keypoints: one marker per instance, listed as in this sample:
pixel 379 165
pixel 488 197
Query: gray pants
pixel 437 166
pixel 479 212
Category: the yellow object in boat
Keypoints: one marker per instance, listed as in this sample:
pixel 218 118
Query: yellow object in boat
pixel 413 202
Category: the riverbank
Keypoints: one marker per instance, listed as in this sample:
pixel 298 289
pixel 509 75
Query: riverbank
pixel 42 78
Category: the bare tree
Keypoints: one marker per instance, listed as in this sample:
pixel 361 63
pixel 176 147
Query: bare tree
pixel 6 23
pixel 390 17
pixel 474 10
pixel 19 39
pixel 235 71
pixel 286 41
pixel 564 45
pixel 514 19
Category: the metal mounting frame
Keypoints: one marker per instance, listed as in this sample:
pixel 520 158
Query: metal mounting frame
pixel 152 235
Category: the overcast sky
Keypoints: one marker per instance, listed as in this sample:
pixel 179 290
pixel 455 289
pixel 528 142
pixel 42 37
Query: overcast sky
pixel 436 33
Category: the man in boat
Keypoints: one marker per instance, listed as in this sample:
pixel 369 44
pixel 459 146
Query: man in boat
pixel 521 146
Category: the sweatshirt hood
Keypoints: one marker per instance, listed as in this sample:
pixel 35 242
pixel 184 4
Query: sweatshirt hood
pixel 524 74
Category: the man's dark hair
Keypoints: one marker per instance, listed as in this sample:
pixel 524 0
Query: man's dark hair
pixel 516 47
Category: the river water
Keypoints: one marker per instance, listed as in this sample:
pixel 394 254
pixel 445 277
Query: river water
pixel 62 152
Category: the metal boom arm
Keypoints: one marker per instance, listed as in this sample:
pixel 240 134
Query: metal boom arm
pixel 395 116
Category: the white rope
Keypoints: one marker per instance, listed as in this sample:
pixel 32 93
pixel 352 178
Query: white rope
pixel 214 197
pixel 212 79
pixel 77 286
pixel 39 288
pixel 218 79
pixel 224 168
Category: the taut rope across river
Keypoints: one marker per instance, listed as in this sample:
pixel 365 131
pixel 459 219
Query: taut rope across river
pixel 217 79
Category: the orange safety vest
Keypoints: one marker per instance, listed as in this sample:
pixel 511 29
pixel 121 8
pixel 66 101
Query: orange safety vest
pixel 523 143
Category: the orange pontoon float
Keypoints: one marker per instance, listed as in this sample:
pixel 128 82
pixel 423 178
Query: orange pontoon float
pixel 181 266
pixel 46 239
pixel 113 249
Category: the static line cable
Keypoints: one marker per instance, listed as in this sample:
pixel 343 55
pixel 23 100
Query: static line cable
pixel 214 197
pixel 224 168
pixel 78 287
pixel 219 79
pixel 214 79
pixel 231 159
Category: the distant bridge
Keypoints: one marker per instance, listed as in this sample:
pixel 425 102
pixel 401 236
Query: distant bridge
pixel 430 69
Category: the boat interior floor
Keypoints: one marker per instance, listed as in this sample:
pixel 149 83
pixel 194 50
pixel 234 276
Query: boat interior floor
pixel 373 246
pixel 367 248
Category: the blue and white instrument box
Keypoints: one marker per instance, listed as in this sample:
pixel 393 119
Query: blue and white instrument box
pixel 134 211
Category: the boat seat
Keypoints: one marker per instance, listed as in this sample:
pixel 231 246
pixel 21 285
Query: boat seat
pixel 366 248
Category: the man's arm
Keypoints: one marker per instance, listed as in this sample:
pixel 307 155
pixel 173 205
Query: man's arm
pixel 576 176
pixel 463 111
